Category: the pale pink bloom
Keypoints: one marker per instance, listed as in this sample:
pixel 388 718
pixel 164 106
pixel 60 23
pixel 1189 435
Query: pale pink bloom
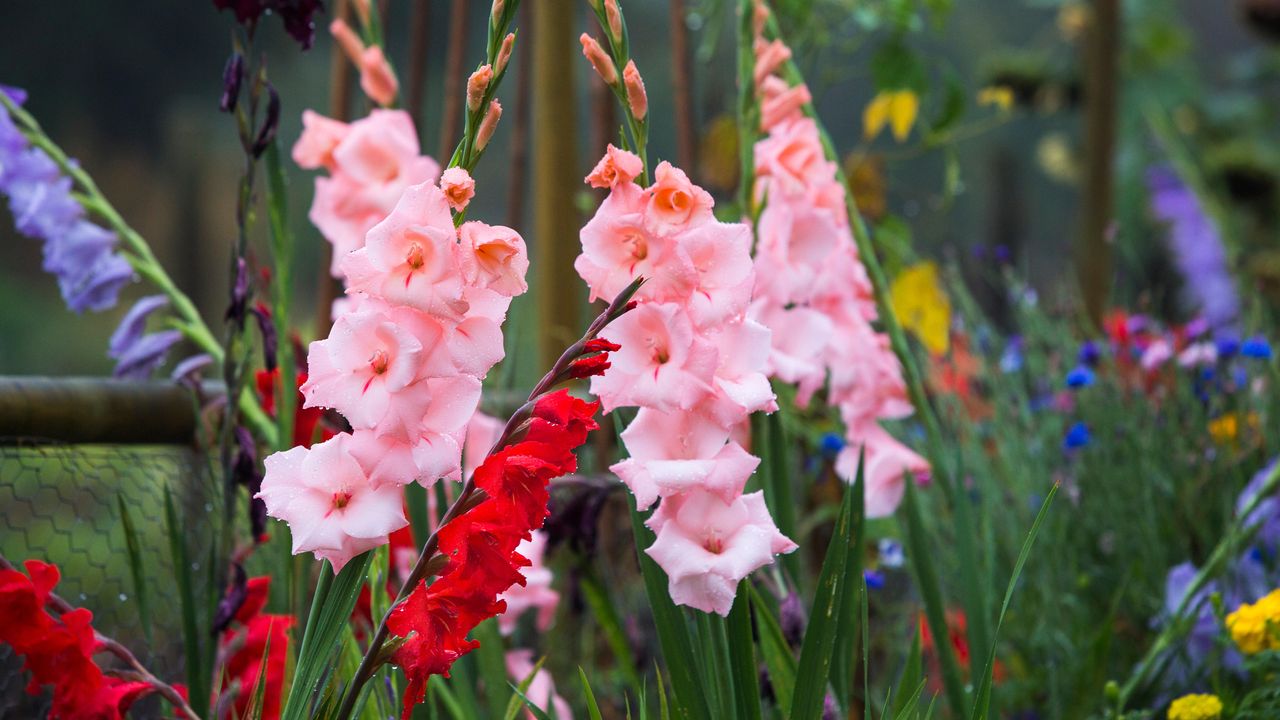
pixel 387 459
pixel 320 137
pixel 437 443
pixel 1157 353
pixel 798 339
pixel 842 286
pixel 677 452
pixel 674 202
pixel 663 362
pixel 721 256
pixel 328 501
pixel 372 164
pixel 377 80
pixel 367 369
pixel 458 186
pixel 707 546
pixel 785 106
pixel 493 257
pixel 473 345
pixel 618 247
pixel 411 257
pixel 617 167
pixel 796 244
pixel 482 432
pixel 599 59
pixel 888 463
pixel 1201 353
pixel 536 593
pixel 542 691
pixel 791 159
pixel 740 382
pixel 637 99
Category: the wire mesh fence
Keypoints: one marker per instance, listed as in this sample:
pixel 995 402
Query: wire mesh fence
pixel 61 503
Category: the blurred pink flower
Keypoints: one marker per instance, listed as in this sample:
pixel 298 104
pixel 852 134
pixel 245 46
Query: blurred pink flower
pixel 542 690
pixel 888 462
pixel 536 593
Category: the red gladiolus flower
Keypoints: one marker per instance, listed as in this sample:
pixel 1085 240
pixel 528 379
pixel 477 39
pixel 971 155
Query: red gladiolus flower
pixel 305 420
pixel 250 639
pixel 480 544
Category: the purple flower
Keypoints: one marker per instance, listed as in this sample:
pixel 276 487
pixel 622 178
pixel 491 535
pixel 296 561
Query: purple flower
pixel 186 371
pixel 130 329
pixel 144 356
pixel 80 254
pixel 297 15
pixel 1197 248
pixel 1090 354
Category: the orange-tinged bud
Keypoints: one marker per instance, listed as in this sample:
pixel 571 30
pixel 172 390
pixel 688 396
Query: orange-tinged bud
pixel 504 53
pixel 488 125
pixel 477 84
pixel 636 96
pixel 599 59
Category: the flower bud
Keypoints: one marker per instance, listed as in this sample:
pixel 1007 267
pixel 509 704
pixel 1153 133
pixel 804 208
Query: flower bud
pixel 377 79
pixel 347 39
pixel 599 59
pixel 267 132
pixel 499 7
pixel 488 125
pixel 504 53
pixel 614 15
pixel 477 84
pixel 232 77
pixel 636 96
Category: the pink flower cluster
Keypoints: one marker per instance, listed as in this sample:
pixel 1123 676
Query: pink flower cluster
pixel 370 162
pixel 816 297
pixel 693 362
pixel 403 364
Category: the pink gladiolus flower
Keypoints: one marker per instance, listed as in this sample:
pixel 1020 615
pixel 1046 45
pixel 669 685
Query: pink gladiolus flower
pixel 721 257
pixel 888 463
pixel 740 383
pixel 482 432
pixel 663 363
pixel 799 336
pixel 542 691
pixel 410 258
pixel 784 107
pixel 493 257
pixel 320 137
pixel 1157 353
pixel 676 452
pixel 791 160
pixel 477 84
pixel 458 186
pixel 674 202
pixel 707 546
pixel 331 506
pixel 617 167
pixel 769 57
pixel 618 247
pixel 536 593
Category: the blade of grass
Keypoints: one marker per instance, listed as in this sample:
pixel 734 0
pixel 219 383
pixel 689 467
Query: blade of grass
pixel 197 672
pixel 848 626
pixel 602 607
pixel 538 712
pixel 778 658
pixel 930 591
pixel 492 666
pixel 912 676
pixel 742 657
pixel 818 647
pixel 135 567
pixel 513 705
pixel 982 700
pixel 593 708
pixel 776 477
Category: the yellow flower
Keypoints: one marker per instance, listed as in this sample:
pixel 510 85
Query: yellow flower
pixel 1073 18
pixel 1196 707
pixel 999 95
pixel 1224 429
pixel 922 307
pixel 1256 627
pixel 897 108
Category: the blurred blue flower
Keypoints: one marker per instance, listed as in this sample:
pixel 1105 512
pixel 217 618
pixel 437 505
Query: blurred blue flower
pixel 80 254
pixel 1080 376
pixel 1256 347
pixel 832 443
pixel 891 553
pixel 1090 354
pixel 874 579
pixel 137 355
pixel 1196 248
pixel 1077 436
pixel 1227 346
pixel 1011 358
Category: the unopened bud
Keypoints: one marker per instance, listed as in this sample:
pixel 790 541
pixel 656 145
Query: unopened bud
pixel 347 39
pixel 488 125
pixel 267 132
pixel 636 96
pixel 504 53
pixel 589 366
pixel 614 16
pixel 377 79
pixel 599 59
pixel 600 345
pixel 232 77
pixel 477 85
pixel 499 7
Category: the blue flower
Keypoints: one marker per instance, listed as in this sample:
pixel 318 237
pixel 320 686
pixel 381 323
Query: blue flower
pixel 1011 358
pixel 891 554
pixel 1256 347
pixel 1228 346
pixel 1077 436
pixel 1080 376
pixel 1089 353
pixel 832 443
pixel 874 579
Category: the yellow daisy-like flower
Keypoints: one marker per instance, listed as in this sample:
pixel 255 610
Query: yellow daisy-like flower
pixel 999 95
pixel 896 108
pixel 1256 627
pixel 1224 429
pixel 922 307
pixel 1196 707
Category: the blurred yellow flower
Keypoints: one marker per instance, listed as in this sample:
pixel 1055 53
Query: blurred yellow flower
pixel 1256 627
pixel 922 307
pixel 896 108
pixel 999 95
pixel 865 175
pixel 1196 707
pixel 1073 18
pixel 1224 429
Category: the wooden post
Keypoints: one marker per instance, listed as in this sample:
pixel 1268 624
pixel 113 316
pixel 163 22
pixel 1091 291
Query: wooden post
pixel 681 79
pixel 556 175
pixel 456 53
pixel 340 72
pixel 1094 257
pixel 419 29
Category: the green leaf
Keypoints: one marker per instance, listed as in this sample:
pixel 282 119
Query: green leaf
pixel 331 607
pixel 593 708
pixel 777 479
pixel 673 631
pixel 597 597
pixel 982 701
pixel 848 625
pixel 896 67
pixel 773 646
pixel 742 657
pixel 135 567
pixel 513 706
pixel 912 676
pixel 197 672
pixel 538 712
pixel 829 601
pixel 415 496
pixel 664 712
pixel 492 665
